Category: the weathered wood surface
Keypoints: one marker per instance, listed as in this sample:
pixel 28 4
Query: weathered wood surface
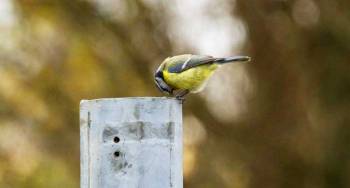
pixel 131 143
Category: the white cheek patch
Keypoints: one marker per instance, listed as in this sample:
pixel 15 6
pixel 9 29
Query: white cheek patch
pixel 162 85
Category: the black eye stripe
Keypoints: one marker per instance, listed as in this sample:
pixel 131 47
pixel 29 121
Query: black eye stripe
pixel 159 74
pixel 159 85
pixel 162 86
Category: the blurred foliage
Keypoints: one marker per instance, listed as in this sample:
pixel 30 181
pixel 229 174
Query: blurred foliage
pixel 293 129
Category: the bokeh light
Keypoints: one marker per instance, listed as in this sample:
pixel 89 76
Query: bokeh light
pixel 281 120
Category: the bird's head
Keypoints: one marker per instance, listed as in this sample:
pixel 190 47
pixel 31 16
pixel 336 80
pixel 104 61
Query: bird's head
pixel 160 83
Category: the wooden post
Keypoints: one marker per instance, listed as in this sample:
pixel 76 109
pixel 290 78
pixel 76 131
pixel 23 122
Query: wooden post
pixel 131 143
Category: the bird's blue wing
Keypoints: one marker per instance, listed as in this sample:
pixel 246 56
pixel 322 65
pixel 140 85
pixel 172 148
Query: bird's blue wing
pixel 190 62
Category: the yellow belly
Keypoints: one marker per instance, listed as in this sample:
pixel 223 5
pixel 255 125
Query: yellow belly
pixel 192 79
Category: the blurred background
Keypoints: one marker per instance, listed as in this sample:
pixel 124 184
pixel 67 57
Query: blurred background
pixel 282 120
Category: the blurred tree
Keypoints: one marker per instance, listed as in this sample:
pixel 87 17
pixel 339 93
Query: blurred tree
pixel 301 73
pixel 294 131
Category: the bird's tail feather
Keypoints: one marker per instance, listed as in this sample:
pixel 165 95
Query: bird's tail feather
pixel 232 59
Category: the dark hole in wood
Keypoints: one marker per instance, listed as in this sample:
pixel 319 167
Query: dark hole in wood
pixel 116 154
pixel 116 139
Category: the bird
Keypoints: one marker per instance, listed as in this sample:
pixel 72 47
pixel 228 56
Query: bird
pixel 183 74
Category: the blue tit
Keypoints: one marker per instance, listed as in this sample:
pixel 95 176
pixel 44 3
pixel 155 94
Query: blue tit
pixel 189 73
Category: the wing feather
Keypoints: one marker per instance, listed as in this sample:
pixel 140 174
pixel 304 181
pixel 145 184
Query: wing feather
pixel 191 61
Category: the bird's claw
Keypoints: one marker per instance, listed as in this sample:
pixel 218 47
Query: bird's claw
pixel 181 99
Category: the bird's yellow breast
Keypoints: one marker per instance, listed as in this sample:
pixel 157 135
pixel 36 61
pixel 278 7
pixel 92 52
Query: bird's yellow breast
pixel 191 79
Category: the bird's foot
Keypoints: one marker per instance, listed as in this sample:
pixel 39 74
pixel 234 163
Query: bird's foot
pixel 181 95
pixel 181 99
